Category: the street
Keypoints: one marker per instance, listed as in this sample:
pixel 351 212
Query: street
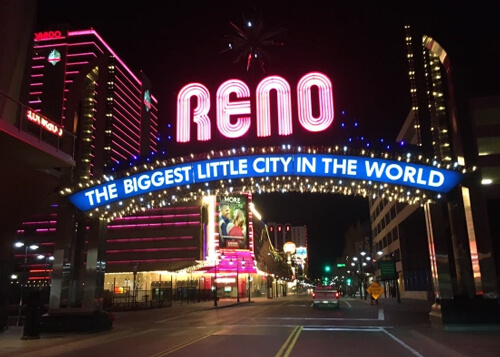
pixel 287 326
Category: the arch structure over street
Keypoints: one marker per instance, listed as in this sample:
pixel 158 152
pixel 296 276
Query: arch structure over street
pixel 160 182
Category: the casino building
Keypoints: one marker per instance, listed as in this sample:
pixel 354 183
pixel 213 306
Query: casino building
pixel 80 83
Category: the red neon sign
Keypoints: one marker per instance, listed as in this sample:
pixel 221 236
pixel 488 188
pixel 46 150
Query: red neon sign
pixel 233 117
pixel 44 123
pixel 48 35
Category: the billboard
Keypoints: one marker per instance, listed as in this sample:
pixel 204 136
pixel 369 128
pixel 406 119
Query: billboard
pixel 232 218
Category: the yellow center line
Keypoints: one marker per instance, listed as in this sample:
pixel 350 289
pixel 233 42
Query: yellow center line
pixel 178 347
pixel 287 347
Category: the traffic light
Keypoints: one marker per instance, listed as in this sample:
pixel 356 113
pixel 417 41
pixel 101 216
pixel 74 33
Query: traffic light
pixel 327 268
pixel 348 281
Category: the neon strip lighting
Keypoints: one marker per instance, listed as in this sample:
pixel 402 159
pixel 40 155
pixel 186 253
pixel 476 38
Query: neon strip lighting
pixel 38 58
pixel 263 106
pixel 167 224
pixel 120 155
pixel 92 32
pixel 34 101
pixel 164 216
pixel 326 116
pixel 53 45
pixel 87 43
pixel 136 240
pixel 35 93
pixel 122 86
pixel 37 67
pixel 132 128
pixel 110 262
pixel 132 84
pixel 36 75
pixel 81 54
pixel 126 118
pixel 200 112
pixel 226 109
pixel 77 63
pixel 135 139
pixel 149 250
pixel 36 84
pixel 124 150
pixel 127 102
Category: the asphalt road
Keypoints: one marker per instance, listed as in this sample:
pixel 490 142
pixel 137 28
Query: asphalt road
pixel 275 328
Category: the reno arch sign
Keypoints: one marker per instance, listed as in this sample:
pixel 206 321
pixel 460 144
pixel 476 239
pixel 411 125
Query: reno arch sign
pixel 233 117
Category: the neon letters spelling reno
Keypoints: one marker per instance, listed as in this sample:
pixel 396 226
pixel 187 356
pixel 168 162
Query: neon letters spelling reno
pixel 227 110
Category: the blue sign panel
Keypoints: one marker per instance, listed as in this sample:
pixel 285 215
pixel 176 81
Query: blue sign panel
pixel 427 178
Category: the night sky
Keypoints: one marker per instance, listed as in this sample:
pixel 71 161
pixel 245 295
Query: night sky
pixel 361 48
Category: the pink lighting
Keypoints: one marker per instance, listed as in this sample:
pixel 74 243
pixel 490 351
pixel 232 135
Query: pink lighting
pixel 233 109
pixel 263 106
pixel 306 117
pixel 227 108
pixel 200 112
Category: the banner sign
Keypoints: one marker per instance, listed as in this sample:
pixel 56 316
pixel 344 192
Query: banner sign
pixel 427 178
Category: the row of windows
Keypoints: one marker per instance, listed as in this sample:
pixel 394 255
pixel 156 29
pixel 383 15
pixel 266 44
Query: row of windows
pixel 392 236
pixel 385 220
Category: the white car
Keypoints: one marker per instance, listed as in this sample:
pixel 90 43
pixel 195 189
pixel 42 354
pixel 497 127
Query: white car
pixel 326 296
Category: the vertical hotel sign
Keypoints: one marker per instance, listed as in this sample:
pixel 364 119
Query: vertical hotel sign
pixel 232 218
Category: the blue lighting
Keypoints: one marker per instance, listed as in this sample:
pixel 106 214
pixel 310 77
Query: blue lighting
pixel 402 142
pixel 356 124
pixel 244 167
pixel 350 139
pixel 343 112
pixel 342 125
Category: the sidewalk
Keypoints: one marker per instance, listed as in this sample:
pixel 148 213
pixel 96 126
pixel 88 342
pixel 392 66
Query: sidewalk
pixel 11 343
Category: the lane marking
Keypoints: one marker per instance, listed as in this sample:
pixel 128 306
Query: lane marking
pixel 350 306
pixel 314 318
pixel 413 351
pixel 381 316
pixel 178 347
pixel 287 347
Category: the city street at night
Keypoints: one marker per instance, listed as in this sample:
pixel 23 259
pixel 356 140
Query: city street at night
pixel 286 326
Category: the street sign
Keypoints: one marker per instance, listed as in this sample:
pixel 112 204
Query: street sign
pixel 387 269
pixel 375 290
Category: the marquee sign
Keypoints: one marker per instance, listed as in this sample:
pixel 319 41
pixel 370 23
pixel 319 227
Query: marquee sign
pixel 233 107
pixel 426 178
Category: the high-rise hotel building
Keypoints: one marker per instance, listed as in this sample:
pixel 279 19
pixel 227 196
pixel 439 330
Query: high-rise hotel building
pixel 80 83
pixel 413 236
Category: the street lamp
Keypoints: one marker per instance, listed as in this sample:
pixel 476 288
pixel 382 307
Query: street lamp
pixel 24 278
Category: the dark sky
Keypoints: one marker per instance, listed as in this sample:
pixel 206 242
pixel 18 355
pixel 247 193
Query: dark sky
pixel 360 47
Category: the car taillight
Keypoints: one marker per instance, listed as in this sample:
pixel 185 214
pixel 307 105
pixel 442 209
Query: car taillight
pixel 337 295
pixel 314 295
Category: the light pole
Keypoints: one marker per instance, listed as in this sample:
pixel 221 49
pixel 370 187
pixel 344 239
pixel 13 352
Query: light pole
pixel 215 282
pixel 24 279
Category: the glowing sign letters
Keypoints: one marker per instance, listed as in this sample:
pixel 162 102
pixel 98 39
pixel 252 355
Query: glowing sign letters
pixel 47 35
pixel 233 117
pixel 44 123
pixel 423 177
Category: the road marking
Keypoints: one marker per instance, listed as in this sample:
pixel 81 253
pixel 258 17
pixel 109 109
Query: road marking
pixel 287 347
pixel 363 329
pixel 315 318
pixel 178 347
pixel 415 352
pixel 346 303
pixel 381 316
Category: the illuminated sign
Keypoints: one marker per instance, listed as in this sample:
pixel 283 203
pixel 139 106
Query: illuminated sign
pixel 54 57
pixel 147 100
pixel 44 123
pixel 233 109
pixel 418 176
pixel 232 220
pixel 48 35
